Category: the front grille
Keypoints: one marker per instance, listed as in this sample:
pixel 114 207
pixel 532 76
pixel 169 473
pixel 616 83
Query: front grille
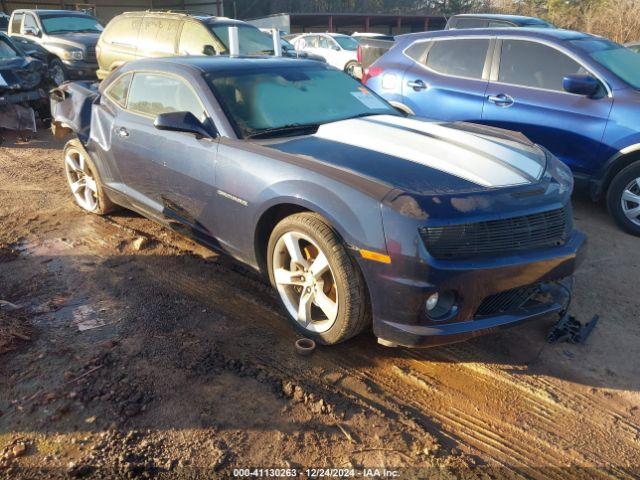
pixel 498 237
pixel 506 301
pixel 91 54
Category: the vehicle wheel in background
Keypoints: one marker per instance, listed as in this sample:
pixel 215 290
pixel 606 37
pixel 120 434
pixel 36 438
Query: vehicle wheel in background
pixel 319 284
pixel 350 67
pixel 623 198
pixel 57 72
pixel 84 181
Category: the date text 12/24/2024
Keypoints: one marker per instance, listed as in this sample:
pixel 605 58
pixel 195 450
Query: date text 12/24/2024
pixel 315 473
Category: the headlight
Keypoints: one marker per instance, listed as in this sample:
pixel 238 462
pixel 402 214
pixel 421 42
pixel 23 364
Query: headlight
pixel 72 55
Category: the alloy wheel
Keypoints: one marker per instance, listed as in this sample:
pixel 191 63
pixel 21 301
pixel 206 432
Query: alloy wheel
pixel 631 201
pixel 305 282
pixel 81 180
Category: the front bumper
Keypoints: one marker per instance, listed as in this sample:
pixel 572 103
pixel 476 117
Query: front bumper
pixel 398 301
pixel 80 70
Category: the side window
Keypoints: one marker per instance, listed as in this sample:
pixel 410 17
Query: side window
pixel 460 58
pixel 158 35
pixel 323 42
pixel 29 21
pixel 122 30
pixel 194 38
pixel 470 23
pixel 531 64
pixel 311 41
pixel 153 94
pixel 119 89
pixel 16 23
pixel 499 24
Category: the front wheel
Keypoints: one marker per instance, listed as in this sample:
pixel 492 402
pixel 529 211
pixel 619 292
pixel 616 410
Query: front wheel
pixel 84 182
pixel 57 72
pixel 319 284
pixel 623 199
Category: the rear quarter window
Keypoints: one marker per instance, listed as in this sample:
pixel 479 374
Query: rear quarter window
pixel 119 90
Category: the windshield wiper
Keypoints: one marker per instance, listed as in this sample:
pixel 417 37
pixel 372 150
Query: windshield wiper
pixel 286 129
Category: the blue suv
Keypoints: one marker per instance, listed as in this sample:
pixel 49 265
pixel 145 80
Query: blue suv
pixel 576 94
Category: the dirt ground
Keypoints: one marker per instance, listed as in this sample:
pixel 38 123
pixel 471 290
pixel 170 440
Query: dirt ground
pixel 165 360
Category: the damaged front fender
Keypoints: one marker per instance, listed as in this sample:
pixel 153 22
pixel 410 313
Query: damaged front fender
pixel 71 106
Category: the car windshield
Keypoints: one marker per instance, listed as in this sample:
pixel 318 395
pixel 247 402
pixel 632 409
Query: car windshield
pixel 347 43
pixel 261 101
pixel 53 24
pixel 623 62
pixel 6 50
pixel 251 40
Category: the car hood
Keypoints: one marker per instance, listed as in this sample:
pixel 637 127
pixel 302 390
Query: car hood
pixel 20 73
pixel 80 40
pixel 421 156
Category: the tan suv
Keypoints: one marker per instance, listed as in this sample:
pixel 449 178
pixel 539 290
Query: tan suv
pixel 135 35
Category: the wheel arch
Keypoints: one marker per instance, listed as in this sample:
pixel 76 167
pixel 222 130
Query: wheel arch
pixel 277 212
pixel 613 167
pixel 402 107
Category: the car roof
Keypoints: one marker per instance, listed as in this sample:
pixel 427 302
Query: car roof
pixel 497 16
pixel 202 18
pixel 542 33
pixel 208 64
pixel 49 11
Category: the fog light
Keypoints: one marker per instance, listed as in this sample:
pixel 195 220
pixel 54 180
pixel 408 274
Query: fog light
pixel 440 304
pixel 432 301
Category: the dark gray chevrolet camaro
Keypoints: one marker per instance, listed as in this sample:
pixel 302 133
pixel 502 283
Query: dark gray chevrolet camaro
pixel 430 232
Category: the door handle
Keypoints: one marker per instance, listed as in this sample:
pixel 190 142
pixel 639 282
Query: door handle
pixel 501 100
pixel 122 132
pixel 417 85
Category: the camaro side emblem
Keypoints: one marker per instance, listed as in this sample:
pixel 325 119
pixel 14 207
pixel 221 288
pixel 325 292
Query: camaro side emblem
pixel 233 197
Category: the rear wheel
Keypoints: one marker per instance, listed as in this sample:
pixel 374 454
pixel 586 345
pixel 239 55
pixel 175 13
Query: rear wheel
pixel 623 199
pixel 318 283
pixel 84 182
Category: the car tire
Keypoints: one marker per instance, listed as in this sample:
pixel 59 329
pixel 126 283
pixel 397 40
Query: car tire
pixel 336 301
pixel 623 199
pixel 84 181
pixel 348 68
pixel 57 72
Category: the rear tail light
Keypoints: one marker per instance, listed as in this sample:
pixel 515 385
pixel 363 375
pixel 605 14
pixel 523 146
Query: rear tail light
pixel 360 54
pixel 371 72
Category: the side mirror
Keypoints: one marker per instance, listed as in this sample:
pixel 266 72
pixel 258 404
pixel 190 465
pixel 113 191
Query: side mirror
pixel 581 85
pixel 181 122
pixel 336 48
pixel 33 31
pixel 209 50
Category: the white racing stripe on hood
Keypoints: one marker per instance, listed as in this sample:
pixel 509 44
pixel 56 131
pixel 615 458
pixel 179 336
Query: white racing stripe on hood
pixel 452 151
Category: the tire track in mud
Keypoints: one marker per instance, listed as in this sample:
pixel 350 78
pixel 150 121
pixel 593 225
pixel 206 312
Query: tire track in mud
pixel 434 391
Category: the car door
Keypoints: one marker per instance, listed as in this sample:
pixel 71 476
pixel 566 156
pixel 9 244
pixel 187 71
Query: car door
pixel 526 94
pixel 171 173
pixel 448 78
